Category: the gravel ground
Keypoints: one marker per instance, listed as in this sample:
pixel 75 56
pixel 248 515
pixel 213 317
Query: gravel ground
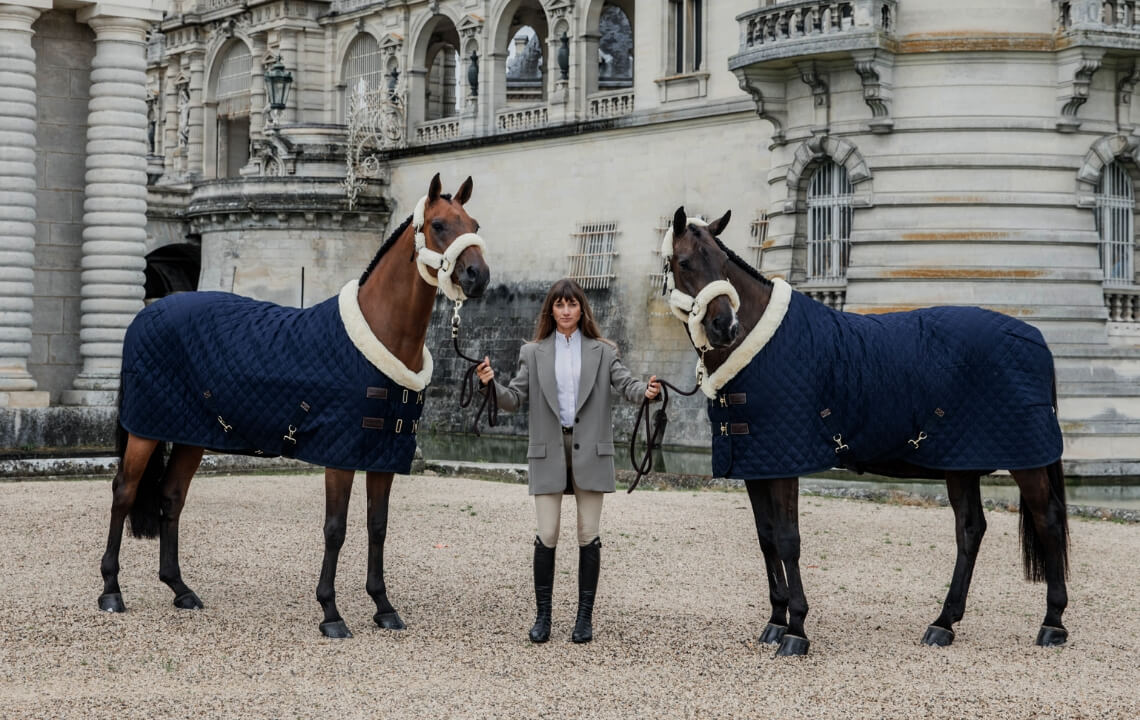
pixel 681 600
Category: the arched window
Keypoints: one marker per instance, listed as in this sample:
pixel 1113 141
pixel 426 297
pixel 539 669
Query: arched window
pixel 615 49
pixel 1115 207
pixel 232 95
pixel 442 90
pixel 362 62
pixel 829 222
pixel 525 66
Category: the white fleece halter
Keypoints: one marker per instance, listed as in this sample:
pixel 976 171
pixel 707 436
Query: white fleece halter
pixel 688 309
pixel 443 262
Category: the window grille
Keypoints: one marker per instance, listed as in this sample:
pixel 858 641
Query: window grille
pixel 593 263
pixel 363 62
pixel 232 91
pixel 829 223
pixel 1115 205
pixel 757 235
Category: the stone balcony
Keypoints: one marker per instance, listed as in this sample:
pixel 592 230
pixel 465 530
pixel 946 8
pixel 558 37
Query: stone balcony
pixel 784 32
pixel 1113 25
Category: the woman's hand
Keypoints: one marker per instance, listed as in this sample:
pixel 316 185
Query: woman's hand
pixel 654 387
pixel 484 371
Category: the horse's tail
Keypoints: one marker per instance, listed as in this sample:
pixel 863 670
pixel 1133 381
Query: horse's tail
pixel 1033 546
pixel 146 509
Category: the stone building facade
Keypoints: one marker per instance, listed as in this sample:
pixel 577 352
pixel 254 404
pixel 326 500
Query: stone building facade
pixel 879 154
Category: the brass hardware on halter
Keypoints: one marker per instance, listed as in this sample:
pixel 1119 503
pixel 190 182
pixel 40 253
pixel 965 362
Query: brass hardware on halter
pixel 225 427
pixel 838 439
pixel 917 440
pixel 289 437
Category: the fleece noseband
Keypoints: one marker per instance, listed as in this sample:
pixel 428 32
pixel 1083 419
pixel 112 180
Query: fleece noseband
pixel 443 262
pixel 688 309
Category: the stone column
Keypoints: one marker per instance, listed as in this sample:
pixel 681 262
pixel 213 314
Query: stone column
pixel 257 99
pixel 170 123
pixel 114 212
pixel 194 156
pixel 17 204
pixel 288 49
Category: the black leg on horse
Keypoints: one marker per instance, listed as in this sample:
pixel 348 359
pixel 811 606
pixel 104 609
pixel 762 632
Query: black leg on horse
pixel 777 625
pixel 184 461
pixel 780 509
pixel 379 490
pixel 338 488
pixel 965 496
pixel 1045 543
pixel 123 489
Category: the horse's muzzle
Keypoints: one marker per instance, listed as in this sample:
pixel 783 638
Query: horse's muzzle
pixel 473 277
pixel 722 329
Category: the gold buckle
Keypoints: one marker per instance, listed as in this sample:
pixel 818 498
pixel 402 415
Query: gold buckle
pixel 289 437
pixel 917 440
pixel 838 439
pixel 225 427
pixel 724 428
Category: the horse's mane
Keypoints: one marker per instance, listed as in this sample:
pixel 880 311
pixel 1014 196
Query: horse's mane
pixel 751 271
pixel 390 242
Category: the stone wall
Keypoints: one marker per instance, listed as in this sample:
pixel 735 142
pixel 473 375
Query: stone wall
pixel 64 49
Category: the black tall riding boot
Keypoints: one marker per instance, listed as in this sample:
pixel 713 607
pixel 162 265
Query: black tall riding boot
pixel 589 564
pixel 543 589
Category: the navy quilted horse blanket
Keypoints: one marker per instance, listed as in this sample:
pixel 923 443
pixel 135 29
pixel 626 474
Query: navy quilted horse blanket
pixel 945 388
pixel 242 376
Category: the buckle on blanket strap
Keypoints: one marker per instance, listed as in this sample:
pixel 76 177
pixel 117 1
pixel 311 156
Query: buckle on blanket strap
pixel 294 424
pixel 921 436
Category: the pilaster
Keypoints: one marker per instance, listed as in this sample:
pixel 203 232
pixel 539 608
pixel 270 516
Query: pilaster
pixel 17 204
pixel 114 217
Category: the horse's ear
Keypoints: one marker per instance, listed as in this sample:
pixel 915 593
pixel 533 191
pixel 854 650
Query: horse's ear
pixel 716 227
pixel 680 220
pixel 464 192
pixel 434 188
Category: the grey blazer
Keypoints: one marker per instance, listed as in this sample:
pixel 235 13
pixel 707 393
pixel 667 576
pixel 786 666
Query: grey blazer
pixel 593 453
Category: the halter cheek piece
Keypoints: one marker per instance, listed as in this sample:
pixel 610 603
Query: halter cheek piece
pixel 443 262
pixel 688 309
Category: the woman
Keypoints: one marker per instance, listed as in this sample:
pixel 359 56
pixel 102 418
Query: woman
pixel 568 369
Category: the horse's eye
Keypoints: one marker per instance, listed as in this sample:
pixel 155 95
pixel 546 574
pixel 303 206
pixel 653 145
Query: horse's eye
pixel 437 225
pixel 684 264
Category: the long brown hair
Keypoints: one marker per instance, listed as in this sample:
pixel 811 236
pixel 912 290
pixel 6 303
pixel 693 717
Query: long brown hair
pixel 565 289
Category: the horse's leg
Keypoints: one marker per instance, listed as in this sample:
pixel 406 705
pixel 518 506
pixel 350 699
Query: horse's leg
pixel 338 488
pixel 135 458
pixel 760 496
pixel 1045 543
pixel 783 514
pixel 379 490
pixel 965 495
pixel 183 463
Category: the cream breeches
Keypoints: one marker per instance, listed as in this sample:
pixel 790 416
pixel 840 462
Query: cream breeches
pixel 548 510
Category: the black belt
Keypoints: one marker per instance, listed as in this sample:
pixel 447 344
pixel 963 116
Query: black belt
pixel 567 430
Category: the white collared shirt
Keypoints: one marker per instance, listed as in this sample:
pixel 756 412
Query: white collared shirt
pixel 567 371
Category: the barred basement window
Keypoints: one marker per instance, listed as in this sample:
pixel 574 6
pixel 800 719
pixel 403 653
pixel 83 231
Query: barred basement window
pixel 829 223
pixel 757 235
pixel 593 263
pixel 1115 205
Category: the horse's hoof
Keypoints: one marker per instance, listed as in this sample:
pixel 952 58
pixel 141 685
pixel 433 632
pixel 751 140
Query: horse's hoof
pixel 112 602
pixel 188 601
pixel 335 629
pixel 792 645
pixel 389 620
pixel 1049 636
pixel 937 636
pixel 773 634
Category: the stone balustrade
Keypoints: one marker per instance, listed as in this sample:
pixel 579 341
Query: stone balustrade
pixel 614 103
pixel 781 30
pixel 1123 304
pixel 518 119
pixel 435 131
pixel 832 296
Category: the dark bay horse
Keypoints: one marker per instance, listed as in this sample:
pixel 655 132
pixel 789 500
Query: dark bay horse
pixel 357 354
pixel 795 387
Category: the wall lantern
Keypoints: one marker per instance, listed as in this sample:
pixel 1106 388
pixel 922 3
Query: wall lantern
pixel 277 82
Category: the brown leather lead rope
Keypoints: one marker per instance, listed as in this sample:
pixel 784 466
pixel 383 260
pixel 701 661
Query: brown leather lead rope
pixel 654 430
pixel 469 383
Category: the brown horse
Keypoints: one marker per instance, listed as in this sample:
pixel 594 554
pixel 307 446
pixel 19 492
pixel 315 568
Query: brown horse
pixel 395 299
pixel 697 259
